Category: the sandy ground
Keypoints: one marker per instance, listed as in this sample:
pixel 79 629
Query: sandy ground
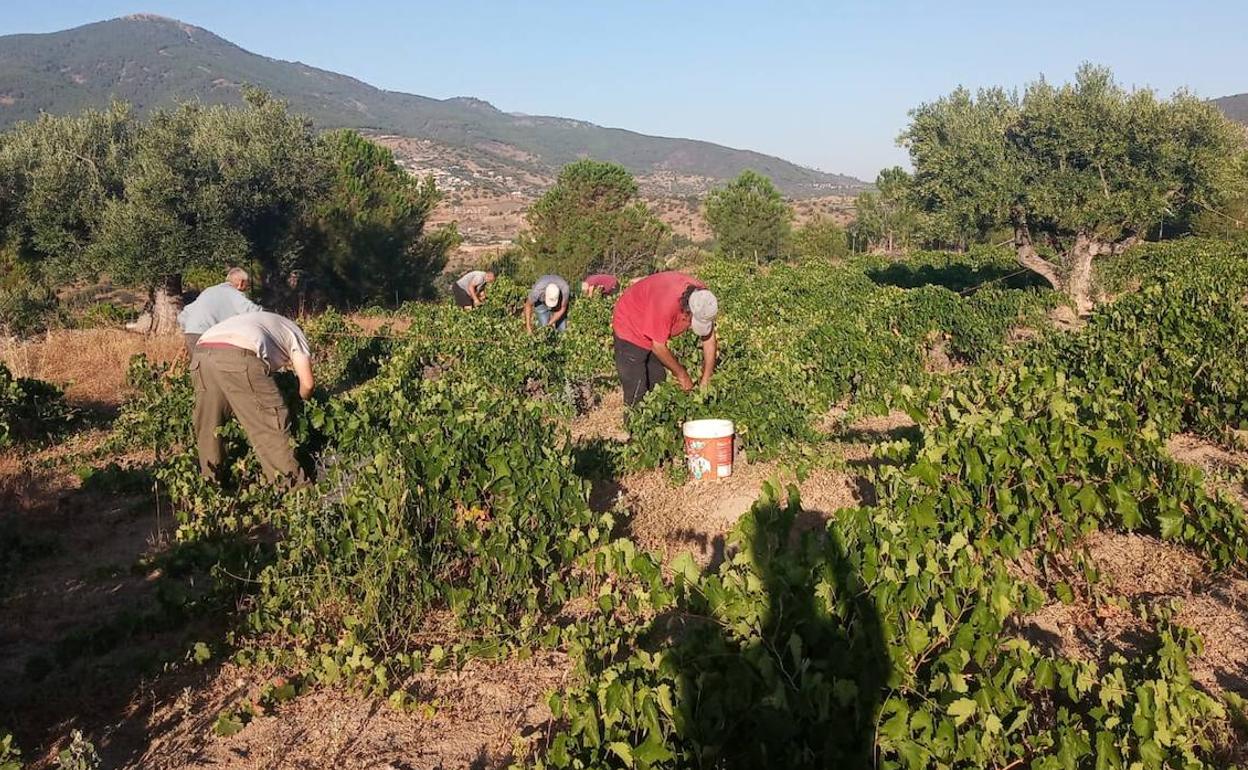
pixel 1144 570
pixel 1147 571
pixel 1226 470
pixel 696 516
pixel 472 718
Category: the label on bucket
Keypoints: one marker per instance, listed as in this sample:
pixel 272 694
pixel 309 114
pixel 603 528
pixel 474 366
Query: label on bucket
pixel 709 457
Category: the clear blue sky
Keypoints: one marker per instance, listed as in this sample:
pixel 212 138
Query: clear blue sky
pixel 826 84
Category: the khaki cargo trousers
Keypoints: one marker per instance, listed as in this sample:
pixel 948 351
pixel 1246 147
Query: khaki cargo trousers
pixel 234 381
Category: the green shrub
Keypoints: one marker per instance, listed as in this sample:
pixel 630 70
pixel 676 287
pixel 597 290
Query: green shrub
pixel 29 409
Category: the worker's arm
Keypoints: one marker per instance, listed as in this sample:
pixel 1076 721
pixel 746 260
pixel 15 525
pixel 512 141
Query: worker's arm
pixel 528 316
pixel 560 312
pixel 477 296
pixel 665 356
pixel 303 370
pixel 710 349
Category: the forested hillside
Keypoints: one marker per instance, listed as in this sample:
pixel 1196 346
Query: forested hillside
pixel 151 61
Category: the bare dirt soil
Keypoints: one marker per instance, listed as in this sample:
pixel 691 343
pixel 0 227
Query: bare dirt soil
pixel 695 517
pixel 1148 572
pixel 84 623
pixel 1226 470
pixel 472 718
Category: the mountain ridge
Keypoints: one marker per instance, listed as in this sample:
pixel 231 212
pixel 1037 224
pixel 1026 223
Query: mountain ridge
pixel 151 61
pixel 1234 106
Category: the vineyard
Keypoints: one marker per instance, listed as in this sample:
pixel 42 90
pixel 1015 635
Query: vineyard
pixel 452 521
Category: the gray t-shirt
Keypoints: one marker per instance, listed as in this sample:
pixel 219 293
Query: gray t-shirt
pixel 273 338
pixel 474 278
pixel 538 293
pixel 212 306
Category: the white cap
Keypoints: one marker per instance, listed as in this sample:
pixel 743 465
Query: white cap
pixel 553 295
pixel 703 307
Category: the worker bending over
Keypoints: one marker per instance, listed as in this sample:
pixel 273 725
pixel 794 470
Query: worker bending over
pixel 469 290
pixel 599 284
pixel 549 300
pixel 648 314
pixel 214 305
pixel 232 371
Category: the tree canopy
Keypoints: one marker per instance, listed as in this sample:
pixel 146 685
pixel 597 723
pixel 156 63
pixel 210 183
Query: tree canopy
pixel 208 187
pixel 1076 170
pixel 887 219
pixel 592 221
pixel 750 218
pixel 820 238
pixel 366 238
pixel 56 174
pixel 194 189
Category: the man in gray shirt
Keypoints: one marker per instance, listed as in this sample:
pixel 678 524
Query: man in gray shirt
pixel 548 300
pixel 469 290
pixel 232 372
pixel 214 305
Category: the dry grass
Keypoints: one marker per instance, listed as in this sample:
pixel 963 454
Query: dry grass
pixel 89 363
pixel 371 324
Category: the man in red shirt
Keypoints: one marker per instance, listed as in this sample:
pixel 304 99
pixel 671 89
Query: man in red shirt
pixel 647 315
pixel 603 284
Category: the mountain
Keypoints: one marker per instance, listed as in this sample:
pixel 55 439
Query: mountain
pixel 151 61
pixel 1234 107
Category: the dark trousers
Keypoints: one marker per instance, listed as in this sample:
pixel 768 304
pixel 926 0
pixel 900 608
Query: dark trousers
pixel 639 370
pixel 461 296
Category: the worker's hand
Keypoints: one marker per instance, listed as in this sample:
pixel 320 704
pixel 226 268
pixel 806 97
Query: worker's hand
pixel 303 370
pixel 686 383
pixel 706 381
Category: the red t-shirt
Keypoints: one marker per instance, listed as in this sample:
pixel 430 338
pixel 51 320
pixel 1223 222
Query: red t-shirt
pixel 649 310
pixel 608 283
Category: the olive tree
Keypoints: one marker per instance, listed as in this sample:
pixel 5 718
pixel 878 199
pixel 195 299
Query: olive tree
pixel 750 218
pixel 208 187
pixel 1075 171
pixel 56 174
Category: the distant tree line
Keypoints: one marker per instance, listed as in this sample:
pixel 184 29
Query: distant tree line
pixel 593 220
pixel 325 218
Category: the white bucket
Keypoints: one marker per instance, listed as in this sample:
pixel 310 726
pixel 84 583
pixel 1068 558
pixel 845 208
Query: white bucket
pixel 708 448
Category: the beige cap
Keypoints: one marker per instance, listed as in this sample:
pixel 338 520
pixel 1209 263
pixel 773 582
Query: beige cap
pixel 703 307
pixel 553 296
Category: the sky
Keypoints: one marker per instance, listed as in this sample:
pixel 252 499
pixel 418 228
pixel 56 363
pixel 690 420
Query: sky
pixel 825 84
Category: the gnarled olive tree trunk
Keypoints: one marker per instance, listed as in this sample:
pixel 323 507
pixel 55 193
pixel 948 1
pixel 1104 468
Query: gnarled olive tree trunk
pixel 164 305
pixel 1074 276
